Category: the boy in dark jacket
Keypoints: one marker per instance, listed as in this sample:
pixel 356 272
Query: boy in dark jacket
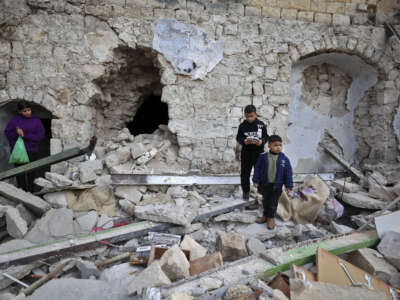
pixel 272 171
pixel 252 135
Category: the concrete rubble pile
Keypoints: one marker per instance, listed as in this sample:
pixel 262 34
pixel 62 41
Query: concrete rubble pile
pixel 191 246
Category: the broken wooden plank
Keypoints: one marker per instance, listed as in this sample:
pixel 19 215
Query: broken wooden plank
pixel 357 175
pixel 337 245
pixel 50 160
pixel 34 203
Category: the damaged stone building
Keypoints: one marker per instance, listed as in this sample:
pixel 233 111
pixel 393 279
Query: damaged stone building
pixel 162 84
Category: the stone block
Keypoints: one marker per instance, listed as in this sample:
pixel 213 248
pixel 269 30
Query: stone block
pixel 87 221
pixel 25 214
pixel 205 263
pixel 389 248
pixel 341 20
pixel 258 88
pixel 177 192
pixel 323 18
pixel 196 250
pixel 255 246
pixel 230 29
pixel 252 11
pixel 59 199
pixel 175 264
pixel 362 200
pixel 209 283
pixel 16 225
pixel 152 276
pixel 232 246
pixel 127 206
pixel 373 262
pixel 58 179
pixel 278 100
pixel 271 73
pixel 44 183
pixel 335 7
pixel 118 157
pixel 307 16
pixel 89 170
pixel 132 193
pixel 271 12
pixel 289 14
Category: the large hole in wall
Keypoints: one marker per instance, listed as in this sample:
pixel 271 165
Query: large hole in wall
pixel 150 115
pixel 328 92
pixel 7 112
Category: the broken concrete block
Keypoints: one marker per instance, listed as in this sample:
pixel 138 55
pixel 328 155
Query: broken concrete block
pixel 152 276
pixel 16 225
pixel 14 245
pixel 196 250
pixel 347 187
pixel 198 197
pixel 100 198
pixel 232 246
pixel 127 206
pixel 87 269
pixel 105 222
pixel 58 179
pixel 137 150
pixel 303 290
pixel 175 264
pixel 273 255
pixel 362 200
pixel 44 183
pixel 18 272
pixel 258 231
pixel 380 192
pixel 259 285
pixel 83 289
pixel 118 157
pixel 236 292
pixel 34 203
pixel 180 211
pixel 87 221
pixel 241 217
pixel 255 246
pixel 378 178
pixel 205 263
pixel 340 229
pixel 389 248
pixel 182 230
pixel 209 283
pixel 132 193
pixel 55 224
pixel 25 214
pixel 145 158
pixel 177 192
pixel 89 170
pixel 180 296
pixel 373 262
pixel 60 199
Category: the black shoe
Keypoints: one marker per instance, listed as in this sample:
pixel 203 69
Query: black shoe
pixel 246 196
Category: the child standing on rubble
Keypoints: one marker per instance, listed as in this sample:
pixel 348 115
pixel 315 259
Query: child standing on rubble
pixel 272 171
pixel 30 128
pixel 252 135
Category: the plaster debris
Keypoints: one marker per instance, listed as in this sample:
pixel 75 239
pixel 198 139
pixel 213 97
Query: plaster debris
pixel 187 48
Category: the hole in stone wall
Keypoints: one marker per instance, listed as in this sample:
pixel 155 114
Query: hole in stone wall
pixel 149 116
pixel 7 112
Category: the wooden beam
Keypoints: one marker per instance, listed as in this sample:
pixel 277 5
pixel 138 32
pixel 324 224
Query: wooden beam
pixel 340 245
pixel 50 160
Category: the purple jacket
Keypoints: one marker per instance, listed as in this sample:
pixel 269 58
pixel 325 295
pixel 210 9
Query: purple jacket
pixel 33 132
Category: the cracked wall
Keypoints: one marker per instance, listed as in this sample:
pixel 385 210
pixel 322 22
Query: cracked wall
pixel 71 56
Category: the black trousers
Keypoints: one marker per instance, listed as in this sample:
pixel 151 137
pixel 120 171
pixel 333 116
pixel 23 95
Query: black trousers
pixel 271 195
pixel 248 161
pixel 25 181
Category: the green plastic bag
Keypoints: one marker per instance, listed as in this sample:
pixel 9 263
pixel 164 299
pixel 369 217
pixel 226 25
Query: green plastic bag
pixel 19 154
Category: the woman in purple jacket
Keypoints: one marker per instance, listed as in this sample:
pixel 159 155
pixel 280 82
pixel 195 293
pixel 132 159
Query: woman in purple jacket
pixel 31 129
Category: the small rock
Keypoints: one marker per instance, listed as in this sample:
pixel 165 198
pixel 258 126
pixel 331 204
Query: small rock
pixel 16 225
pixel 89 170
pixel 273 255
pixel 389 248
pixel 58 180
pixel 138 150
pixel 87 269
pixel 232 246
pixel 180 296
pixel 255 246
pixel 177 192
pixel 118 157
pixel 340 229
pixel 44 183
pixel 196 250
pixel 152 276
pixel 131 193
pixel 175 264
pixel 209 283
pixel 237 292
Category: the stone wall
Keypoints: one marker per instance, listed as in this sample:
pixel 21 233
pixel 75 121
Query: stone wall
pixel 75 59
